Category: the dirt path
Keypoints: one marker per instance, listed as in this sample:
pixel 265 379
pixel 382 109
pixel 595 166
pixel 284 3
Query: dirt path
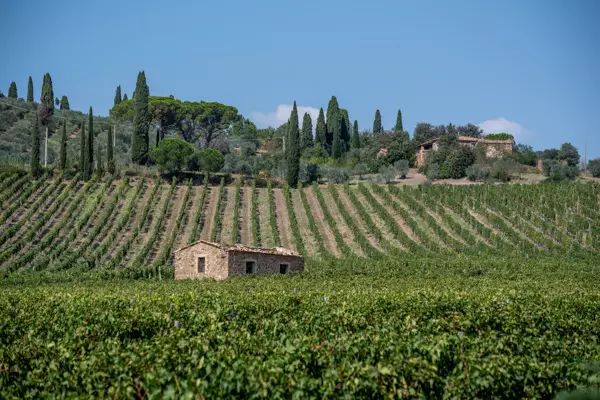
pixel 283 221
pixel 173 211
pixel 385 232
pixel 357 219
pixel 227 222
pixel 342 228
pixel 246 216
pixel 209 213
pixel 310 242
pixel 322 224
pixel 264 225
pixel 186 233
pixel 397 218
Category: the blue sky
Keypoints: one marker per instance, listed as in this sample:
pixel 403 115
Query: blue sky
pixel 527 67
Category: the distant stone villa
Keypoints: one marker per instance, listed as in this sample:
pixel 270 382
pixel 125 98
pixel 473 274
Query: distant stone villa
pixel 493 147
pixel 204 259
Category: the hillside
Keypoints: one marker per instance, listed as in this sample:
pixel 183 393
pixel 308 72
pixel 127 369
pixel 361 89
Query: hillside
pixel 134 225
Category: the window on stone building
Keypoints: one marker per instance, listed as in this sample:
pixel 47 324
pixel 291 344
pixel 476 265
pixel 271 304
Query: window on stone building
pixel 250 267
pixel 201 264
pixel 284 268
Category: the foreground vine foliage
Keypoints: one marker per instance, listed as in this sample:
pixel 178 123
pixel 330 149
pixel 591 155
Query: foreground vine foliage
pixel 433 327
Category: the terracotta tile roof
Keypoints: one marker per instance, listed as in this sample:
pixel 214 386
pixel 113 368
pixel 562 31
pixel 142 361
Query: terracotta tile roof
pixel 248 249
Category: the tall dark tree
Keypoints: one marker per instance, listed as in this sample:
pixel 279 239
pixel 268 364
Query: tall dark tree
pixel 377 127
pixel 333 110
pixel 56 101
pixel 64 103
pixel 99 166
pixel 399 127
pixel 141 122
pixel 36 168
pixel 293 149
pixel 355 139
pixel 345 128
pixel 306 140
pixel 83 153
pixel 46 109
pixel 63 147
pixel 321 131
pixel 125 98
pixel 110 164
pixel 30 90
pixel 337 145
pixel 89 147
pixel 12 90
pixel 117 99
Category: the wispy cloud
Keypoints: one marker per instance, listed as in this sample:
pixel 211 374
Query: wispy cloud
pixel 281 115
pixel 502 125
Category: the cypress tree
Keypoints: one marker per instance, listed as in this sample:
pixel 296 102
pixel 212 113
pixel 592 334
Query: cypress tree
pixel 141 122
pixel 345 128
pixel 30 90
pixel 110 164
pixel 35 149
pixel 332 111
pixel 306 140
pixel 89 147
pixel 82 154
pixel 12 90
pixel 337 144
pixel 293 149
pixel 64 103
pixel 99 166
pixel 63 147
pixel 355 140
pixel 117 95
pixel 321 131
pixel 57 101
pixel 125 97
pixel 399 127
pixel 46 109
pixel 377 128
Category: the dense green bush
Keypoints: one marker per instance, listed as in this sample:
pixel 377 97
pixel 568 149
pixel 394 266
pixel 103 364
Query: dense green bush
pixel 499 136
pixel 477 172
pixel 433 171
pixel 557 171
pixel 594 167
pixel 172 154
pixel 504 168
pixel 336 175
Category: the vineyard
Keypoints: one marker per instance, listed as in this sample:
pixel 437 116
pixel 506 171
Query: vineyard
pixel 486 291
pixel 133 226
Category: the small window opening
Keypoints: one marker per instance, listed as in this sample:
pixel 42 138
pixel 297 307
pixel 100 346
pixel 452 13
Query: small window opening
pixel 201 264
pixel 250 267
pixel 284 268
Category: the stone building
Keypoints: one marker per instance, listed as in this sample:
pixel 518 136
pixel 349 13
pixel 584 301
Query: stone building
pixel 493 148
pixel 204 259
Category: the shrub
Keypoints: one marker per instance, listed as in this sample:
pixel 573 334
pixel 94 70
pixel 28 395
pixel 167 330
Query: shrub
pixel 172 154
pixel 337 175
pixel 456 164
pixel 433 172
pixel 504 168
pixel 594 167
pixel 308 172
pixel 478 172
pixel 388 173
pixel 558 172
pixel 360 170
pixel 402 167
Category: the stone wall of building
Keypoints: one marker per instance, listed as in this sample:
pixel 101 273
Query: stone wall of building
pixel 186 262
pixel 497 150
pixel 266 263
